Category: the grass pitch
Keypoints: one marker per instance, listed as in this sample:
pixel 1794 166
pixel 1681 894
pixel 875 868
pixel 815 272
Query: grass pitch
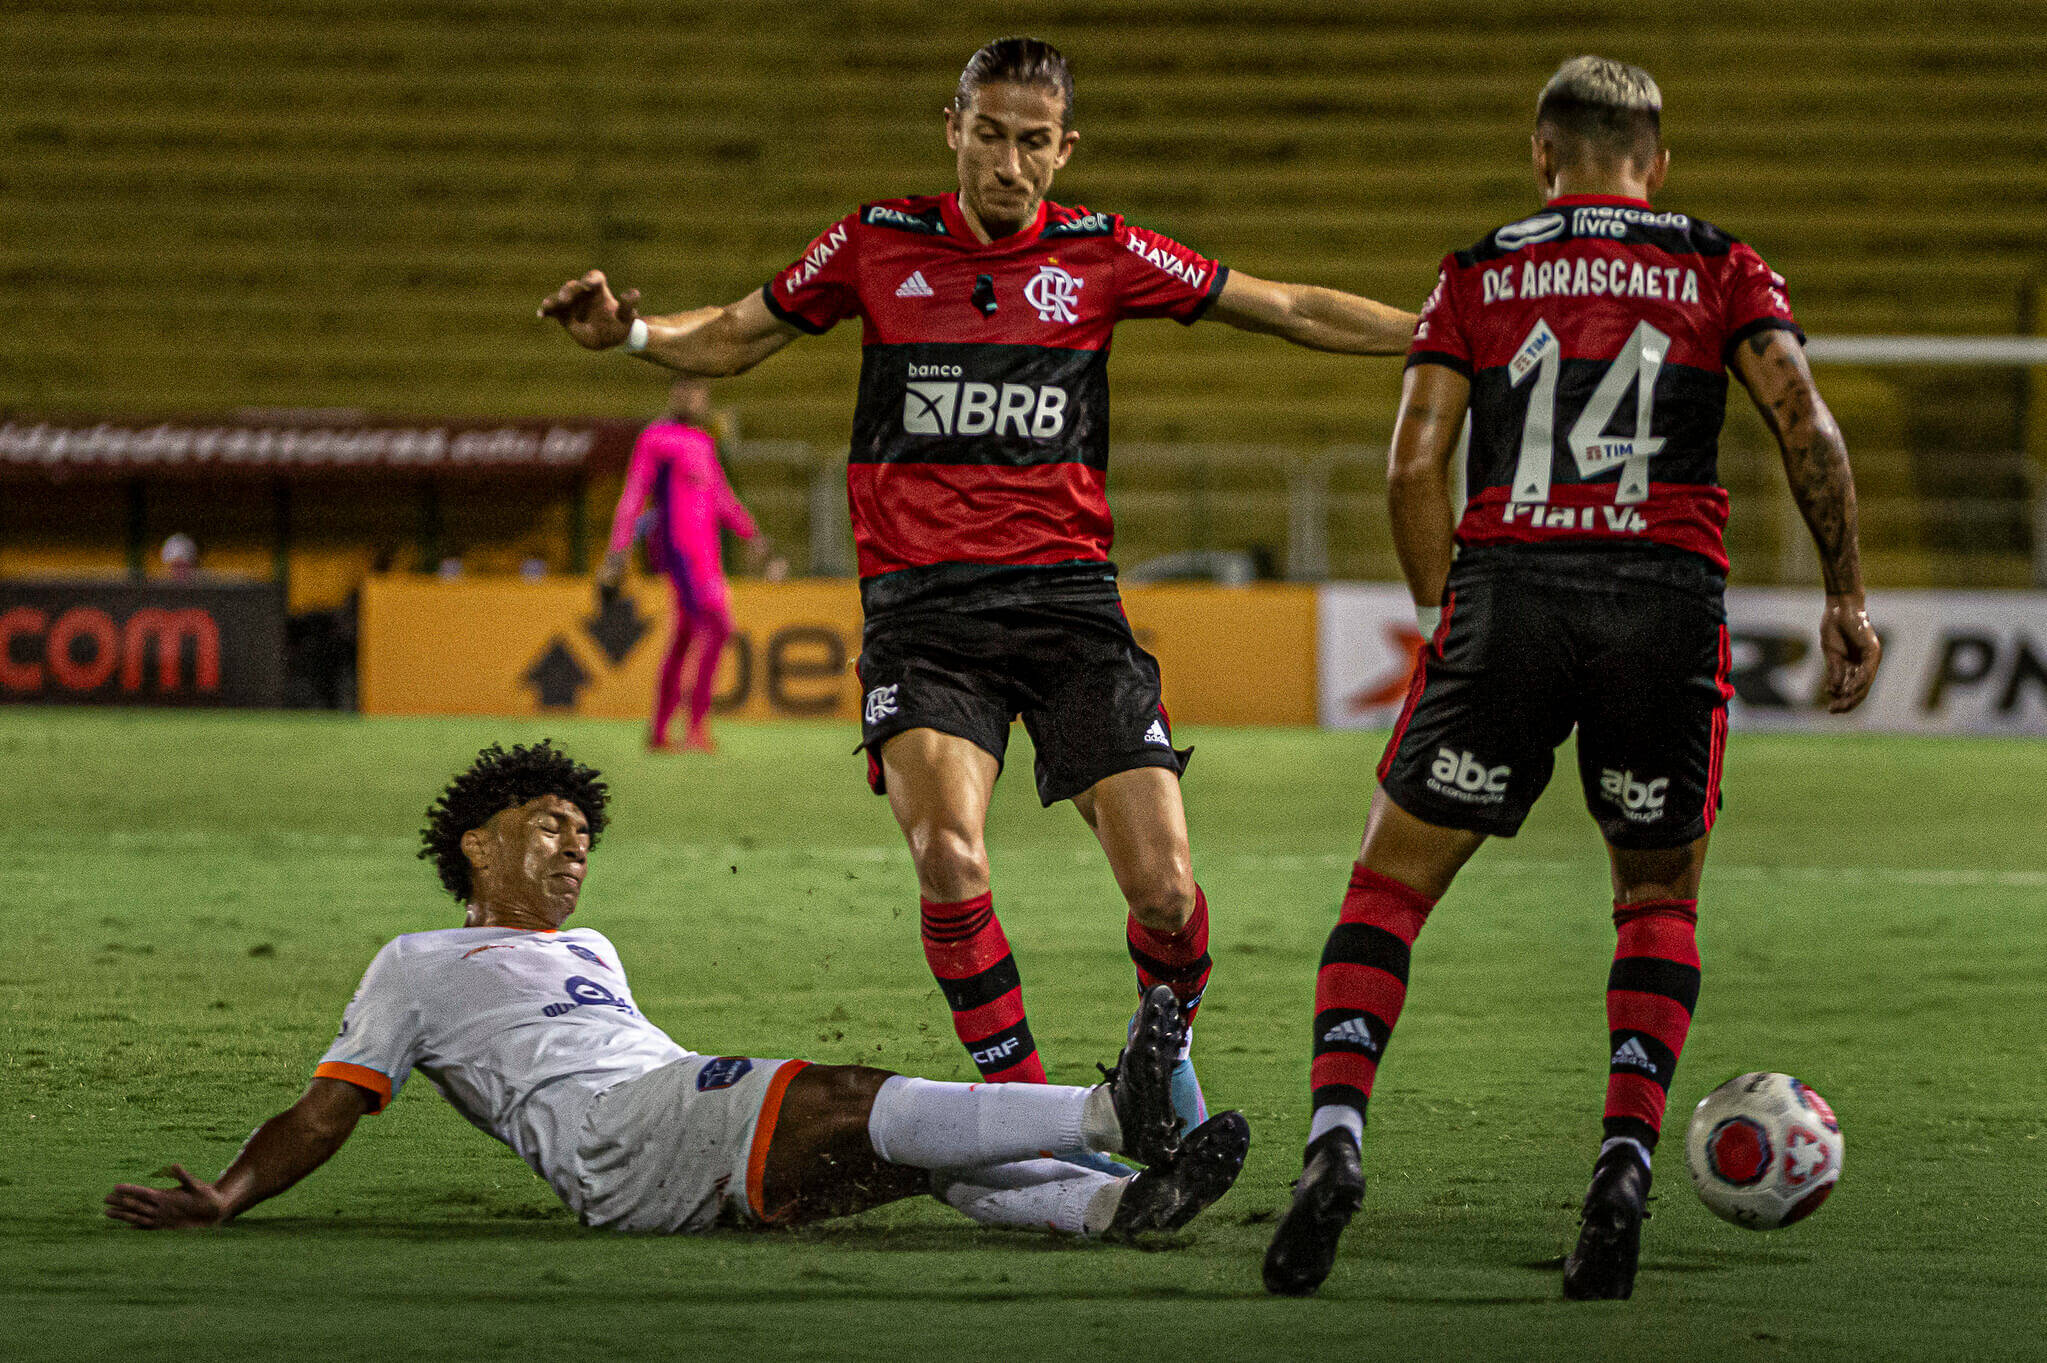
pixel 193 897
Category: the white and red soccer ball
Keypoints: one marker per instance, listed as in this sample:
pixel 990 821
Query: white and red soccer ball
pixel 1764 1151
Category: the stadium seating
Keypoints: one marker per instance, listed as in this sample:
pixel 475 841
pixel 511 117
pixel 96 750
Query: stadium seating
pixel 248 202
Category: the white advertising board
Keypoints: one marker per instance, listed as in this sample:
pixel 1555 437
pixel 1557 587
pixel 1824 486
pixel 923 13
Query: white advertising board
pixel 1954 662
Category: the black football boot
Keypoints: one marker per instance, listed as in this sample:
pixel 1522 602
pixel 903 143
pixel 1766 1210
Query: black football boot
pixel 1602 1266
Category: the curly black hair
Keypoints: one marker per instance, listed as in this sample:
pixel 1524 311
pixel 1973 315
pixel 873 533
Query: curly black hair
pixel 500 780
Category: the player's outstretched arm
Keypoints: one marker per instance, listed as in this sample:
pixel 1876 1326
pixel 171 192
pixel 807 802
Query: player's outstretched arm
pixel 1320 319
pixel 708 342
pixel 1433 399
pixel 282 1151
pixel 1771 365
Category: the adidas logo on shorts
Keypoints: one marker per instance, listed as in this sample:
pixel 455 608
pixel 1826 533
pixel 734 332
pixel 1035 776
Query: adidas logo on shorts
pixel 1633 1055
pixel 914 287
pixel 1157 734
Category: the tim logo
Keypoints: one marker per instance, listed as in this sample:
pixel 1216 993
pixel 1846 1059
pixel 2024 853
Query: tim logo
pixel 1033 411
pixel 1053 292
pixel 586 993
pixel 722 1073
pixel 881 703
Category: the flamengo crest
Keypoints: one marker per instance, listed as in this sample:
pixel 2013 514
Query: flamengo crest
pixel 1053 292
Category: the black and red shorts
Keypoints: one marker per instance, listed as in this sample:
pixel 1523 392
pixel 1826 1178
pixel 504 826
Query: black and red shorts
pixel 1088 693
pixel 1627 646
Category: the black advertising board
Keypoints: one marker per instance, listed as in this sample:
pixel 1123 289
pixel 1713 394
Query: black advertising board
pixel 117 643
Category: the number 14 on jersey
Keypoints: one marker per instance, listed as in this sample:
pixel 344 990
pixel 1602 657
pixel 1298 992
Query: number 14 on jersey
pixel 1539 358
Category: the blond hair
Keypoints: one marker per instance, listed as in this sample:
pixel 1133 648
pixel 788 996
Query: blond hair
pixel 1603 82
pixel 1609 108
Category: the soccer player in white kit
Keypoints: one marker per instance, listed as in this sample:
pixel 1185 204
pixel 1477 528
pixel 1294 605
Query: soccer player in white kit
pixel 531 1031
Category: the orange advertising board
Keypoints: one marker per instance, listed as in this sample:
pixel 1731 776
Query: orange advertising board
pixel 499 647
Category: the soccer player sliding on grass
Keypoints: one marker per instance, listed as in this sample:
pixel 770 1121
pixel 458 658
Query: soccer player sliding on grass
pixel 532 1033
pixel 1590 346
pixel 977 481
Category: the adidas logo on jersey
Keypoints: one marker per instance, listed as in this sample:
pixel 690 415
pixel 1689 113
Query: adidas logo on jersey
pixel 1633 1055
pixel 1352 1032
pixel 1157 734
pixel 914 286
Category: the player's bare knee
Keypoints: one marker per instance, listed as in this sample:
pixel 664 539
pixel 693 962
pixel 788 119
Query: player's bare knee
pixel 830 1102
pixel 1164 905
pixel 952 863
pixel 1644 875
pixel 849 1088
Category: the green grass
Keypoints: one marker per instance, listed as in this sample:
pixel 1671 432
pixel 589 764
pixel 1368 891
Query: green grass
pixel 191 899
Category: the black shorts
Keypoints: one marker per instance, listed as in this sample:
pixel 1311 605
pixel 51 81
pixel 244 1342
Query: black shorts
pixel 1631 650
pixel 1088 694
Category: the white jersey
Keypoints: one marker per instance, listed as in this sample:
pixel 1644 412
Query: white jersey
pixel 519 1030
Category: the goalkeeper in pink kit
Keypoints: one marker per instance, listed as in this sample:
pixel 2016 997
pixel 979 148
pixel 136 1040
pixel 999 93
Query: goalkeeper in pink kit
pixel 676 478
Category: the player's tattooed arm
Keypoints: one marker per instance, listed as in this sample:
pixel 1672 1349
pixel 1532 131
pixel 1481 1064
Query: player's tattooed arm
pixel 706 342
pixel 1433 400
pixel 282 1151
pixel 1318 318
pixel 1771 365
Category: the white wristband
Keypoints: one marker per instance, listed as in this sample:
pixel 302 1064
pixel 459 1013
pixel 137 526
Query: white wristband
pixel 636 338
pixel 1428 617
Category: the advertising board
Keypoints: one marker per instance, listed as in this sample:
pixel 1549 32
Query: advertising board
pixel 118 643
pixel 1954 662
pixel 498 647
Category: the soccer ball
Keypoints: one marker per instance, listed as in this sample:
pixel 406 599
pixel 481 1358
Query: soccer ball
pixel 1764 1151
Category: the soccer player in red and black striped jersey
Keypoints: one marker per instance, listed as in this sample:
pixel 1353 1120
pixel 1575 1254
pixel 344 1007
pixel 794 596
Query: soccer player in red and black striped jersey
pixel 977 479
pixel 1590 346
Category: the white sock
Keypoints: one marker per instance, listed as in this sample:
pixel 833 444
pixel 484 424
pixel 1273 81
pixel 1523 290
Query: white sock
pixel 1640 1149
pixel 931 1125
pixel 1049 1194
pixel 1100 1129
pixel 1335 1116
pixel 1101 1209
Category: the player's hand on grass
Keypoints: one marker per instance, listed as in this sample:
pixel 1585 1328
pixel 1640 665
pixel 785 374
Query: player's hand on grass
pixel 1851 648
pixel 590 313
pixel 190 1204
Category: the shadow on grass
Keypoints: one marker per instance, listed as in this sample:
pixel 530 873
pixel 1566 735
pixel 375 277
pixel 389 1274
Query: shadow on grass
pixel 850 1236
pixel 1723 1262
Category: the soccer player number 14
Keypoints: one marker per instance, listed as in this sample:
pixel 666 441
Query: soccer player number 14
pixel 1640 361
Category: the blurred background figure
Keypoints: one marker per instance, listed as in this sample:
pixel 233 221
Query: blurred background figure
pixel 676 477
pixel 180 555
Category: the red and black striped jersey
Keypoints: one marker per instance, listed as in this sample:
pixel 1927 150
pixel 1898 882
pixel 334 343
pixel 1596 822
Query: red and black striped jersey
pixel 1596 336
pixel 981 434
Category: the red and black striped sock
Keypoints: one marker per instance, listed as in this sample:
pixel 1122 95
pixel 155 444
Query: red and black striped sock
pixel 1361 986
pixel 1179 959
pixel 968 953
pixel 1650 995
